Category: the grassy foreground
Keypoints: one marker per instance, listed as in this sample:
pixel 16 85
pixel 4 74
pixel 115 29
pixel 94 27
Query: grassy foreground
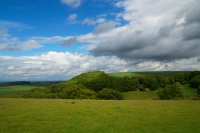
pixel 14 88
pixel 92 116
pixel 160 73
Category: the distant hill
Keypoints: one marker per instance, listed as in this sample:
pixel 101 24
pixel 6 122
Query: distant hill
pixel 160 73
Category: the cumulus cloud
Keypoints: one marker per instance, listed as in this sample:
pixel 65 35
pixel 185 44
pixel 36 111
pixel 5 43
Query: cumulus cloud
pixel 103 28
pixel 101 20
pixel 93 22
pixel 27 45
pixel 63 66
pixel 88 21
pixel 69 42
pixel 73 3
pixel 72 17
pixel 162 31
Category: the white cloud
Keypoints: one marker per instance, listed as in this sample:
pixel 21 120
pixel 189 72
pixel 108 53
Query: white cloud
pixel 27 45
pixel 101 20
pixel 72 17
pixel 88 21
pixel 73 3
pixel 30 44
pixel 63 66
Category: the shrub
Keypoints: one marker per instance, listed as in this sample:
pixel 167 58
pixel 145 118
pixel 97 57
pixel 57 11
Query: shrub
pixel 172 91
pixel 194 98
pixel 195 82
pixel 198 91
pixel 153 83
pixel 78 92
pixel 141 88
pixel 108 94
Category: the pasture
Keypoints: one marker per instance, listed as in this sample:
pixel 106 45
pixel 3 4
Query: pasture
pixel 147 95
pixel 160 73
pixel 4 90
pixel 91 116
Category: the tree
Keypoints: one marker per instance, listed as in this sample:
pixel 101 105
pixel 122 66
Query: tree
pixel 195 82
pixel 172 91
pixel 198 91
pixel 78 92
pixel 108 94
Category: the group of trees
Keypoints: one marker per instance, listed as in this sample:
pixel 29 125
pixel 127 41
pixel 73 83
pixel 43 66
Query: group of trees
pixel 98 85
pixel 70 92
pixel 15 83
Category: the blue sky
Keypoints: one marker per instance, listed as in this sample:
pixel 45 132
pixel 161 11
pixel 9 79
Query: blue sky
pixel 59 39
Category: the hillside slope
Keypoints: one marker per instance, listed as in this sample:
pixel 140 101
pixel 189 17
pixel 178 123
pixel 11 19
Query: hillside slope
pixel 159 73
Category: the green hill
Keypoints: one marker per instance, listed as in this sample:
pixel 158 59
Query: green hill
pixel 160 73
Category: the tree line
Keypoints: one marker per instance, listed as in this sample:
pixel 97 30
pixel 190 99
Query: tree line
pixel 98 85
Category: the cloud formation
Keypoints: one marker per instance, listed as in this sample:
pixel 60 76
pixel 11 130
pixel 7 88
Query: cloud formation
pixel 163 31
pixel 103 28
pixel 88 21
pixel 69 42
pixel 73 3
pixel 63 66
pixel 27 45
pixel 72 17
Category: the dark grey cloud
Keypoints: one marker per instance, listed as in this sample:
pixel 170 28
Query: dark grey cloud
pixel 198 59
pixel 103 28
pixel 146 45
pixel 191 31
pixel 69 42
pixel 191 13
pixel 165 31
pixel 191 16
pixel 163 42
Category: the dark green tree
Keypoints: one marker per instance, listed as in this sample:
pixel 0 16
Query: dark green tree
pixel 172 91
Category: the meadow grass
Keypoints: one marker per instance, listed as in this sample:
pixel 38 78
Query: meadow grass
pixel 102 116
pixel 145 95
pixel 189 91
pixel 160 73
pixel 14 88
pixel 140 95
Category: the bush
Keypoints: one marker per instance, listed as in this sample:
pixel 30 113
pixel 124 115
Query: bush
pixel 141 88
pixel 195 82
pixel 78 92
pixel 171 92
pixel 198 91
pixel 108 94
pixel 152 83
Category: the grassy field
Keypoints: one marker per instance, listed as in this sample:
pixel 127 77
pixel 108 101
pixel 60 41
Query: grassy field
pixel 160 73
pixel 14 88
pixel 145 95
pixel 140 95
pixel 189 91
pixel 92 116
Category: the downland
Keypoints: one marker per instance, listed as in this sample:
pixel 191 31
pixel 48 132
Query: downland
pixel 140 112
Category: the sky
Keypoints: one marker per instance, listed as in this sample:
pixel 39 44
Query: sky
pixel 44 40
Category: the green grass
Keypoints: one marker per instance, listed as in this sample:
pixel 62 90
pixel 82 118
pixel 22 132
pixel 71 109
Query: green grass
pixel 92 116
pixel 160 73
pixel 14 88
pixel 189 91
pixel 145 95
pixel 140 95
